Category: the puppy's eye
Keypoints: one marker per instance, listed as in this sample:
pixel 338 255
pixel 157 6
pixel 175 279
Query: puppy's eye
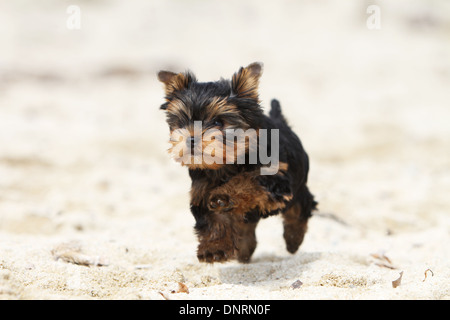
pixel 218 123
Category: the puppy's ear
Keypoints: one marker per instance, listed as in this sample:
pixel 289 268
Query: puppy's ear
pixel 175 82
pixel 244 83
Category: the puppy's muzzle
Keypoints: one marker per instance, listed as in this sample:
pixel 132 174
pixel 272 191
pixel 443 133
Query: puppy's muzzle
pixel 192 143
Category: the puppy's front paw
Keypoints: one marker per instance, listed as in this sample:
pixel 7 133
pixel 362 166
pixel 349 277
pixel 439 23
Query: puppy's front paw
pixel 212 256
pixel 215 252
pixel 220 202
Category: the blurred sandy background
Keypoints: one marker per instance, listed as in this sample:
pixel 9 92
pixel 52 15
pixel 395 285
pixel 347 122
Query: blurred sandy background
pixel 83 162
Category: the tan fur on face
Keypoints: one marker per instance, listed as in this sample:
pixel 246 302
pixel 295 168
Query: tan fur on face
pixel 219 106
pixel 179 150
pixel 210 148
pixel 178 109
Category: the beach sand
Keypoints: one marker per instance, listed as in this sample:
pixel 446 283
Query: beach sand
pixel 92 206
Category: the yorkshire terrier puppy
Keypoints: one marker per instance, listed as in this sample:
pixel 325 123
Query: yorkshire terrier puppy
pixel 218 130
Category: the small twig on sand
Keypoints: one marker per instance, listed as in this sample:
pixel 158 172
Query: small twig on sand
pixel 382 260
pixel 397 282
pixel 164 295
pixel 331 216
pixel 426 271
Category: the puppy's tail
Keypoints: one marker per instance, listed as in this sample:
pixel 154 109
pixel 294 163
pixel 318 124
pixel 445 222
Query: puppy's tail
pixel 275 111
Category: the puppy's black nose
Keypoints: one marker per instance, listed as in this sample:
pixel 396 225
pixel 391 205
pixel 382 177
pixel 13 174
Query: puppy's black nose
pixel 191 142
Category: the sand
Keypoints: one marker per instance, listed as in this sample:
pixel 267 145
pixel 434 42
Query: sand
pixel 92 206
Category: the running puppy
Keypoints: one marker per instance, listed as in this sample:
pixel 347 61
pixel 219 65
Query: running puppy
pixel 218 130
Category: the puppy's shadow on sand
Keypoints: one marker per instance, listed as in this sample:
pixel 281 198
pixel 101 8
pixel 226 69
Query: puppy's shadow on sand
pixel 264 269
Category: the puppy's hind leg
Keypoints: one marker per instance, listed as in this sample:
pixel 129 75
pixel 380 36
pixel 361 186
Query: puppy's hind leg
pixel 295 219
pixel 294 227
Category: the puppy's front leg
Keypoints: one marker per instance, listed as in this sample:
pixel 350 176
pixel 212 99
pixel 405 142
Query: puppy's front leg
pixel 216 235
